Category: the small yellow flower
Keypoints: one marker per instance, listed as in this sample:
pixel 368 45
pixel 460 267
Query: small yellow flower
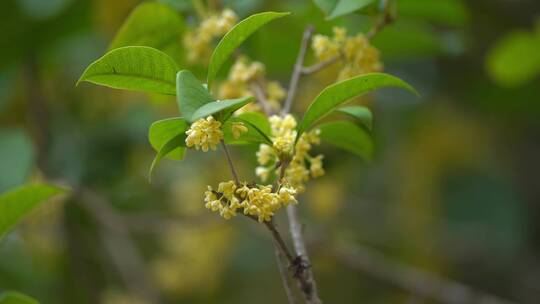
pixel 263 173
pixel 204 134
pixel 265 154
pixel 316 166
pixel 237 129
pixel 286 194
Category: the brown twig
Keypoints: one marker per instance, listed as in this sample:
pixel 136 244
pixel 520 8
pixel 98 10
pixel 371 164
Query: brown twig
pixel 261 97
pixel 303 270
pixel 297 71
pixel 387 17
pixel 231 165
pixel 419 282
pixel 309 285
pixel 283 272
pixel 319 66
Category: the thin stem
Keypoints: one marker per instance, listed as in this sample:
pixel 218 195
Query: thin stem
pixel 279 242
pixel 284 275
pixel 297 71
pixel 309 287
pixel 387 17
pixel 231 165
pixel 319 66
pixel 261 97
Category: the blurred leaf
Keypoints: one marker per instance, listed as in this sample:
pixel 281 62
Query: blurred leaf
pixel 181 5
pixel 404 40
pixel 163 131
pixel 344 7
pixel 17 203
pixel 515 59
pixel 151 24
pixel 192 94
pixel 339 93
pixel 176 143
pixel 137 68
pixel 13 297
pixel 16 158
pixel 41 10
pixel 446 12
pixel 361 113
pixel 347 136
pixel 238 34
pixel 223 108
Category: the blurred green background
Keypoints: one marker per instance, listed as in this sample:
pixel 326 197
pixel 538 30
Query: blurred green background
pixel 454 188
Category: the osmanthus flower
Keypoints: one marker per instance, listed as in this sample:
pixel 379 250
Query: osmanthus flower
pixel 204 134
pixel 237 129
pixel 297 172
pixel 357 55
pixel 259 201
pixel 243 76
pixel 198 41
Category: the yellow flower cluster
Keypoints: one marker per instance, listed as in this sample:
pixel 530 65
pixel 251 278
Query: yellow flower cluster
pixel 283 136
pixel 242 76
pixel 198 42
pixel 204 134
pixel 237 129
pixel 357 54
pixel 255 200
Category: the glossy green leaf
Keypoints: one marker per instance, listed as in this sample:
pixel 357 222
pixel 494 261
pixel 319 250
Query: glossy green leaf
pixel 221 109
pixel 151 24
pixel 344 7
pixel 257 125
pixel 347 136
pixel 176 143
pixel 515 59
pixel 192 94
pixel 15 204
pixel 137 68
pixel 163 131
pixel 361 113
pixel 238 34
pixel 13 297
pixel 339 93
pixel 257 119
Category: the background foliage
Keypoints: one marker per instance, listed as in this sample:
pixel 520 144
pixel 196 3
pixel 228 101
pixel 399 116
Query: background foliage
pixel 452 187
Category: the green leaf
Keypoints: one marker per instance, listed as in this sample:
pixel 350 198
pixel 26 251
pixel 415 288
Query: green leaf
pixel 150 24
pixel 326 6
pixel 176 143
pixel 257 125
pixel 13 297
pixel 192 94
pixel 257 119
pixel 344 7
pixel 347 136
pixel 515 59
pixel 163 131
pixel 17 158
pixel 137 68
pixel 223 108
pixel 338 93
pixel 337 8
pixel 361 113
pixel 15 204
pixel 238 34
